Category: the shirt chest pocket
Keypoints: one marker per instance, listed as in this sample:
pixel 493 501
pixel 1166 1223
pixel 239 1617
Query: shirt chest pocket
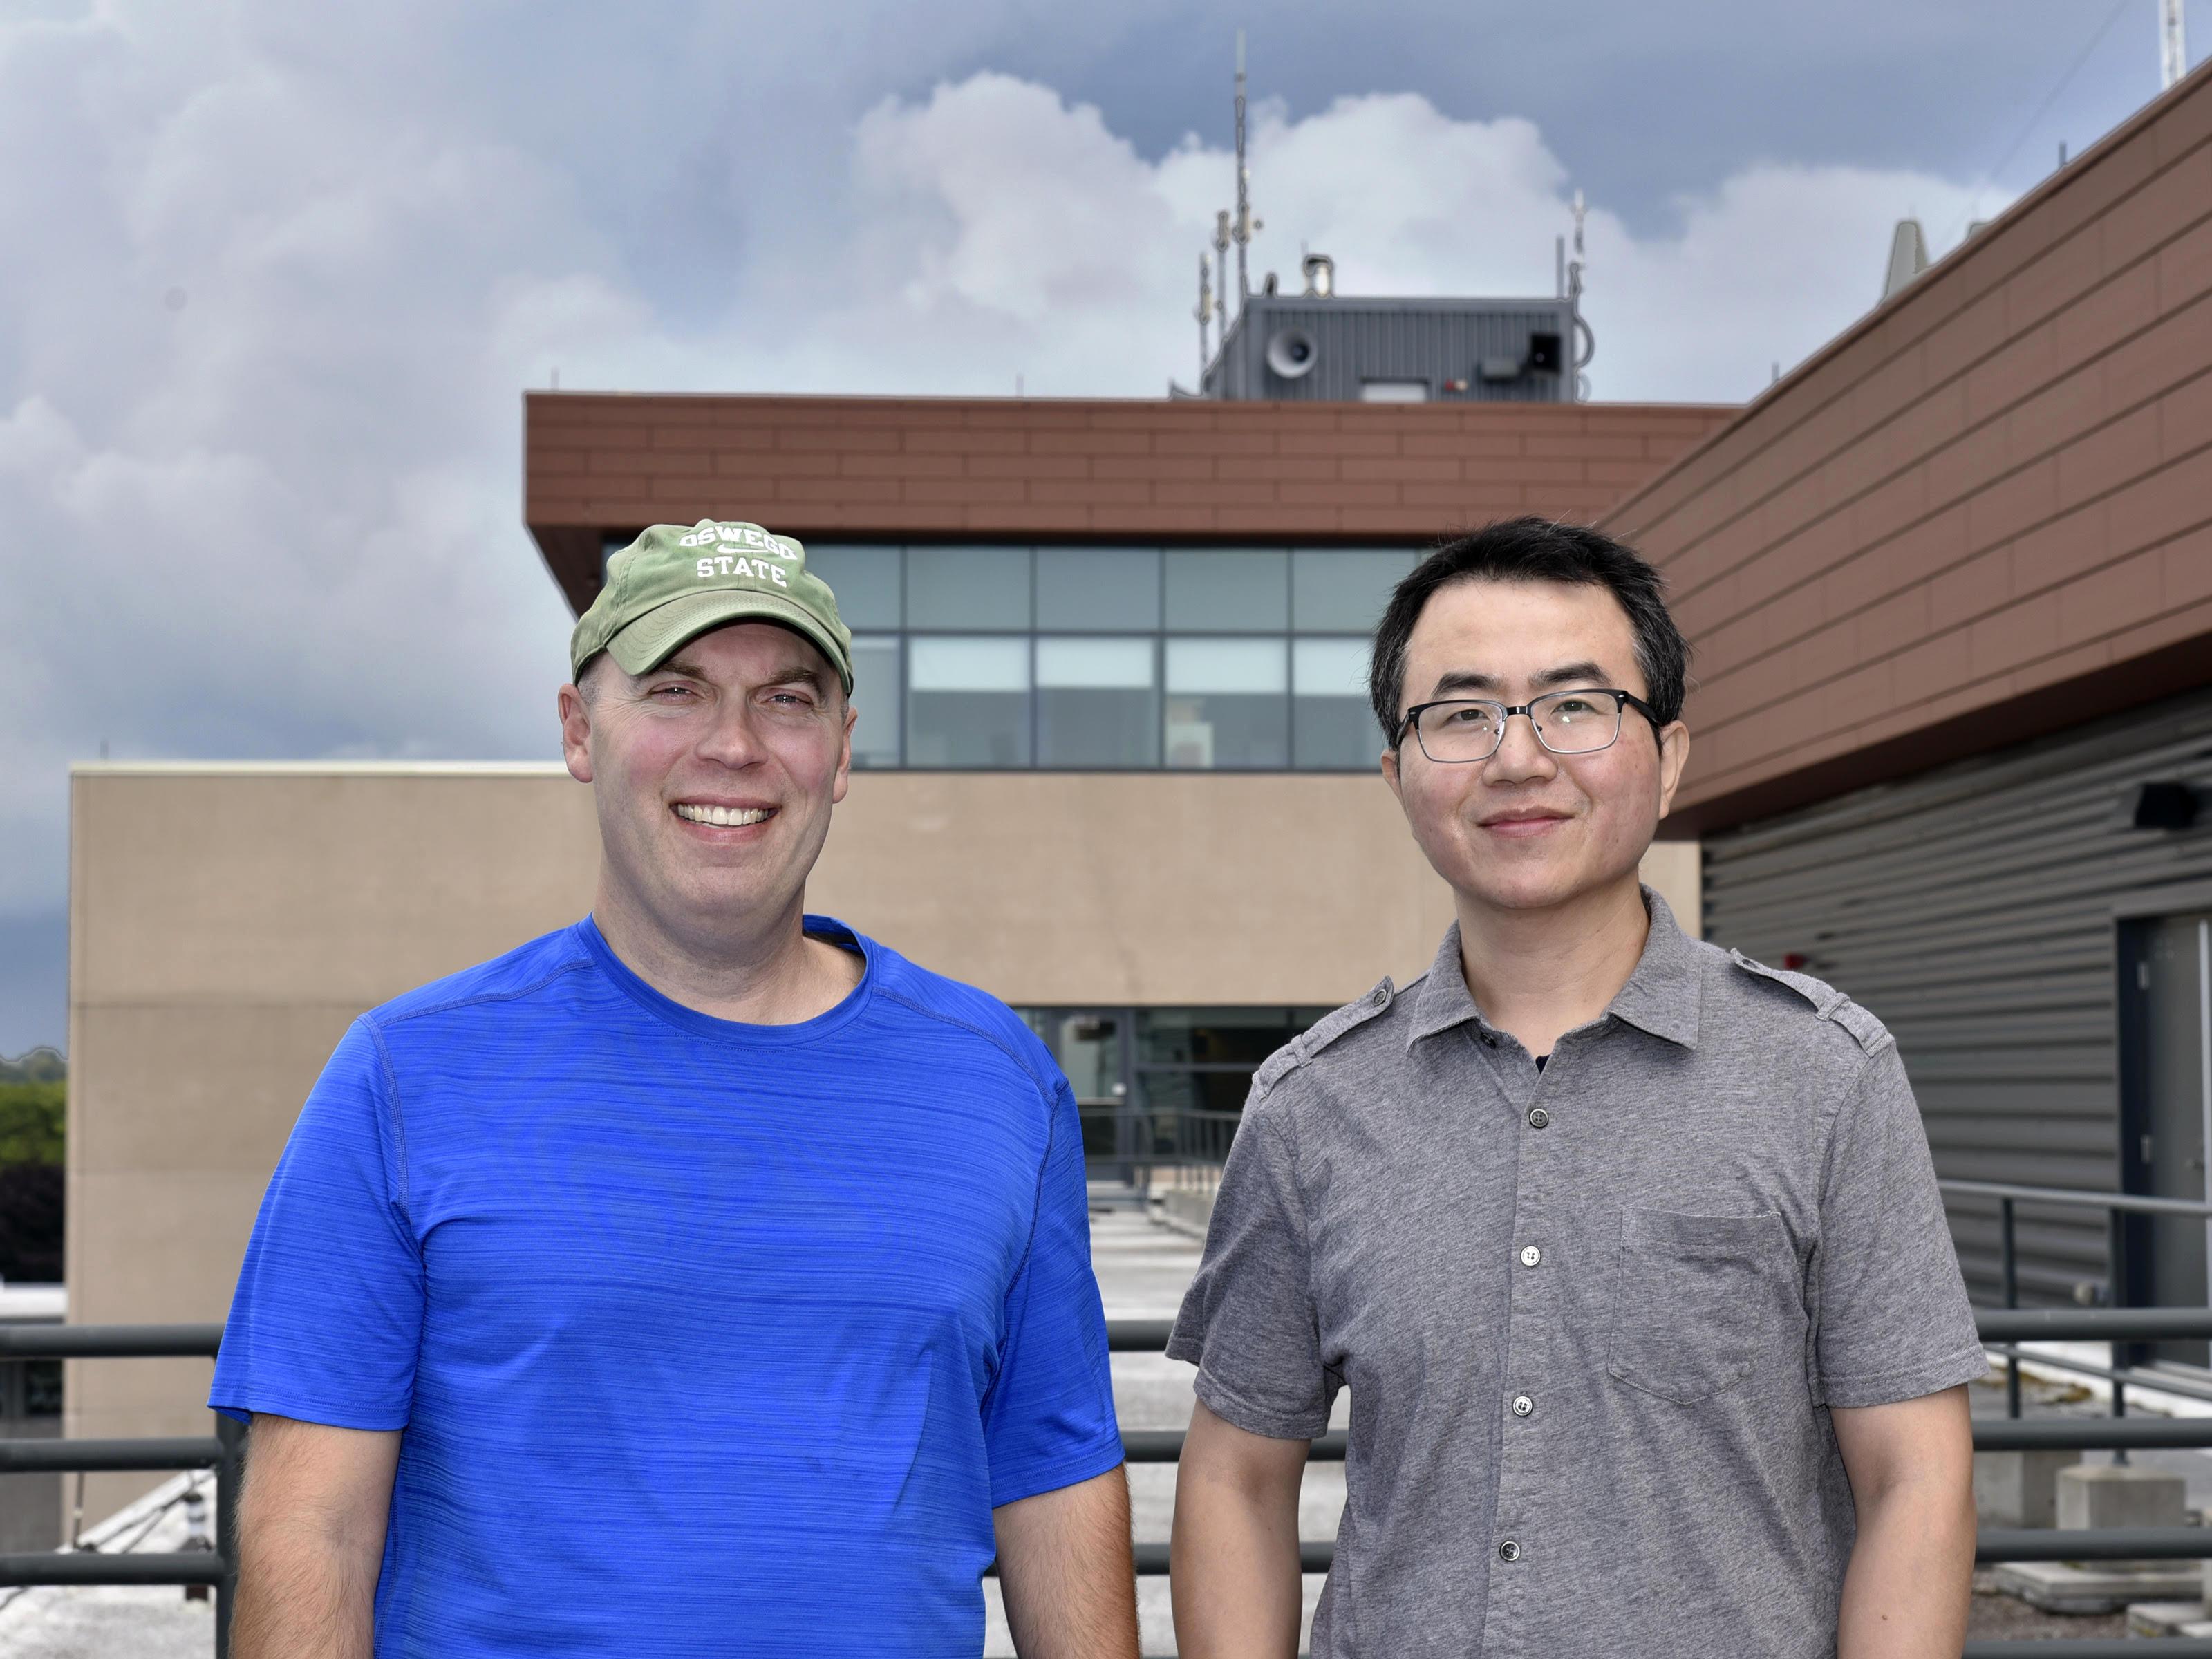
pixel 1695 1297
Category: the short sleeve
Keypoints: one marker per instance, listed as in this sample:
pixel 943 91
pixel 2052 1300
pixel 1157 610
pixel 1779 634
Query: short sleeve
pixel 1048 1421
pixel 1892 1319
pixel 1249 1321
pixel 328 1318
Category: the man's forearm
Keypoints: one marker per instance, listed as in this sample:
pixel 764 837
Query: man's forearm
pixel 1235 1571
pixel 1065 1572
pixel 303 1596
pixel 1911 1578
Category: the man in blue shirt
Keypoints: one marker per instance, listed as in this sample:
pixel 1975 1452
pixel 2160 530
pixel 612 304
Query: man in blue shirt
pixel 702 1277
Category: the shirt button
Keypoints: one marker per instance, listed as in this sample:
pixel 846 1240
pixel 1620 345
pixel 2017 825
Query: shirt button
pixel 1508 1551
pixel 1522 1404
pixel 1538 1117
pixel 1530 1255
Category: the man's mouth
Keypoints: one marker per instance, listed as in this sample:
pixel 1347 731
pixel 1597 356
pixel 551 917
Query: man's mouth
pixel 1517 825
pixel 728 818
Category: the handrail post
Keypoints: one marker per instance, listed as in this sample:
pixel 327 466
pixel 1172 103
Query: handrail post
pixel 2009 1264
pixel 232 1433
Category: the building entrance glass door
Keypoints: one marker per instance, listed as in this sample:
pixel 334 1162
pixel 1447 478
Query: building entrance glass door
pixel 2173 992
pixel 1093 1047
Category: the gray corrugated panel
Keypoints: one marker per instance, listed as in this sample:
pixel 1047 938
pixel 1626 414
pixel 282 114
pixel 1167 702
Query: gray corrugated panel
pixel 1971 908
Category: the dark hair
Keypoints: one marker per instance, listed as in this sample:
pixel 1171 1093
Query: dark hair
pixel 1535 551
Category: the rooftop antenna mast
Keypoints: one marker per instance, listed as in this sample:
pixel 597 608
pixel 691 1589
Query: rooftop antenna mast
pixel 1241 231
pixel 2172 49
pixel 1204 312
pixel 1585 343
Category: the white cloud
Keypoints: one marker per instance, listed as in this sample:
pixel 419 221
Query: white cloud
pixel 271 310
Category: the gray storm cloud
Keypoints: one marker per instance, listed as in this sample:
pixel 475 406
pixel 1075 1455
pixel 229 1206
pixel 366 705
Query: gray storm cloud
pixel 273 295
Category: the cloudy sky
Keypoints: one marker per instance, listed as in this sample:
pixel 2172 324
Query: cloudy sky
pixel 277 276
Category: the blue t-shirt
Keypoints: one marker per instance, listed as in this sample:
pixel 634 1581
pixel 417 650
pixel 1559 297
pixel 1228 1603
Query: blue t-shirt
pixel 707 1338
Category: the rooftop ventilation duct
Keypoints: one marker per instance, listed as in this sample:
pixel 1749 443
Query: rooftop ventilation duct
pixel 1321 276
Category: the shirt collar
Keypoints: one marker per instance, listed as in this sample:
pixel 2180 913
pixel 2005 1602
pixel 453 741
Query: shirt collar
pixel 1662 997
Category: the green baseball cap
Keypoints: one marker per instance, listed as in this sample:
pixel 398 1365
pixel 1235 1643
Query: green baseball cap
pixel 673 583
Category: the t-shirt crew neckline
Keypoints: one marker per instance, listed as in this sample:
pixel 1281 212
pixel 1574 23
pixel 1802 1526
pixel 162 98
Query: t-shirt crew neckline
pixel 828 929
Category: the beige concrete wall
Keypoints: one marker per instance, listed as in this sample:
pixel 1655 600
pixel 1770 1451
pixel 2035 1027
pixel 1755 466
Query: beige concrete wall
pixel 226 922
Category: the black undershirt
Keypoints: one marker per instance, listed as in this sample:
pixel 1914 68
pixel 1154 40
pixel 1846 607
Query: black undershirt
pixel 1540 1059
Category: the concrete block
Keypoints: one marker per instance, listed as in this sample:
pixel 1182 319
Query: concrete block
pixel 2020 1488
pixel 2168 1619
pixel 1184 1210
pixel 2121 1495
pixel 2096 1587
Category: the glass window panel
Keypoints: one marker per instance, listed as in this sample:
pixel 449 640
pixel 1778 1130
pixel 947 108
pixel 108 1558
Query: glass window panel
pixel 1098 702
pixel 1238 590
pixel 968 588
pixel 876 696
pixel 1183 1037
pixel 1335 727
pixel 865 580
pixel 1244 666
pixel 1099 588
pixel 968 703
pixel 1226 704
pixel 1345 589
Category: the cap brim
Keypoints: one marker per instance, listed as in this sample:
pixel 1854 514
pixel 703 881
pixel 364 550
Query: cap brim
pixel 661 632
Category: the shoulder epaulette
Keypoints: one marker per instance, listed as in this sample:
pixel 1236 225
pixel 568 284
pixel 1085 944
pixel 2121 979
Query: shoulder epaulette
pixel 1322 1032
pixel 1830 1004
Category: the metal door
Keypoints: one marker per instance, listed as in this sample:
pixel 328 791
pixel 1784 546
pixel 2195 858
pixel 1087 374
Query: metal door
pixel 2172 1024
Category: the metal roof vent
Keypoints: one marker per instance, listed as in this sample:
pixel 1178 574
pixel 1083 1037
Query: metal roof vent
pixel 1321 276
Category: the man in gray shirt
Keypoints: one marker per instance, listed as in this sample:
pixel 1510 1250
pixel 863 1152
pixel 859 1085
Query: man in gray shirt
pixel 1629 1248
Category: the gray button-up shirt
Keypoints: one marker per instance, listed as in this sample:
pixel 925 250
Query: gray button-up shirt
pixel 1592 1317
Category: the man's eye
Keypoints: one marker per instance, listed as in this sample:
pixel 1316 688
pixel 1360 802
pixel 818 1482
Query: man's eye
pixel 1473 716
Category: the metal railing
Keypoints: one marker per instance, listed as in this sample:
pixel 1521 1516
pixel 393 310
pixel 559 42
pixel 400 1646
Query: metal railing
pixel 2002 1329
pixel 222 1452
pixel 2119 1374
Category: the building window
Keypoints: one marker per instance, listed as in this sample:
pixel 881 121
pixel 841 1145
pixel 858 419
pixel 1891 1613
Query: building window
pixel 1335 723
pixel 1227 590
pixel 967 700
pixel 1227 703
pixel 968 588
pixel 1097 589
pixel 876 696
pixel 1098 702
pixel 865 580
pixel 1344 590
pixel 1111 658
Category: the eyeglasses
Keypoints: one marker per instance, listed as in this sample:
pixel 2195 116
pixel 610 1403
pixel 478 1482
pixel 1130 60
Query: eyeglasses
pixel 1579 722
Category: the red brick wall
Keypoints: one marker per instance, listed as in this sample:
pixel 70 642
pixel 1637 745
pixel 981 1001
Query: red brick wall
pixel 891 467
pixel 1992 499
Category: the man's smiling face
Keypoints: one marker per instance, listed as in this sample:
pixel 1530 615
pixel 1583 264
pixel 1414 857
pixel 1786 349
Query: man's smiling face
pixel 713 775
pixel 1528 829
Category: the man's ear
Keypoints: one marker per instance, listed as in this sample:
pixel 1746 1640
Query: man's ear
pixel 1673 756
pixel 1390 775
pixel 575 732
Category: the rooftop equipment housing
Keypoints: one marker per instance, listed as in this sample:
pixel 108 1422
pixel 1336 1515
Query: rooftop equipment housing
pixel 1322 347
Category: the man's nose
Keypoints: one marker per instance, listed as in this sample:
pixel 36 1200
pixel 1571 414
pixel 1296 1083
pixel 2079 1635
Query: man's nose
pixel 1521 754
pixel 730 739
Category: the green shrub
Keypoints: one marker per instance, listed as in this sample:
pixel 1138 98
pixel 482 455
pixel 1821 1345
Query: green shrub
pixel 31 1119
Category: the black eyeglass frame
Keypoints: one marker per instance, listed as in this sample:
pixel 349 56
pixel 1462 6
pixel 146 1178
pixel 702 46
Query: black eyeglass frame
pixel 1413 716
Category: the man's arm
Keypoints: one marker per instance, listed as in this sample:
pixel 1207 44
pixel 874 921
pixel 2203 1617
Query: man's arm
pixel 310 1538
pixel 1911 1469
pixel 1065 1570
pixel 1234 1565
